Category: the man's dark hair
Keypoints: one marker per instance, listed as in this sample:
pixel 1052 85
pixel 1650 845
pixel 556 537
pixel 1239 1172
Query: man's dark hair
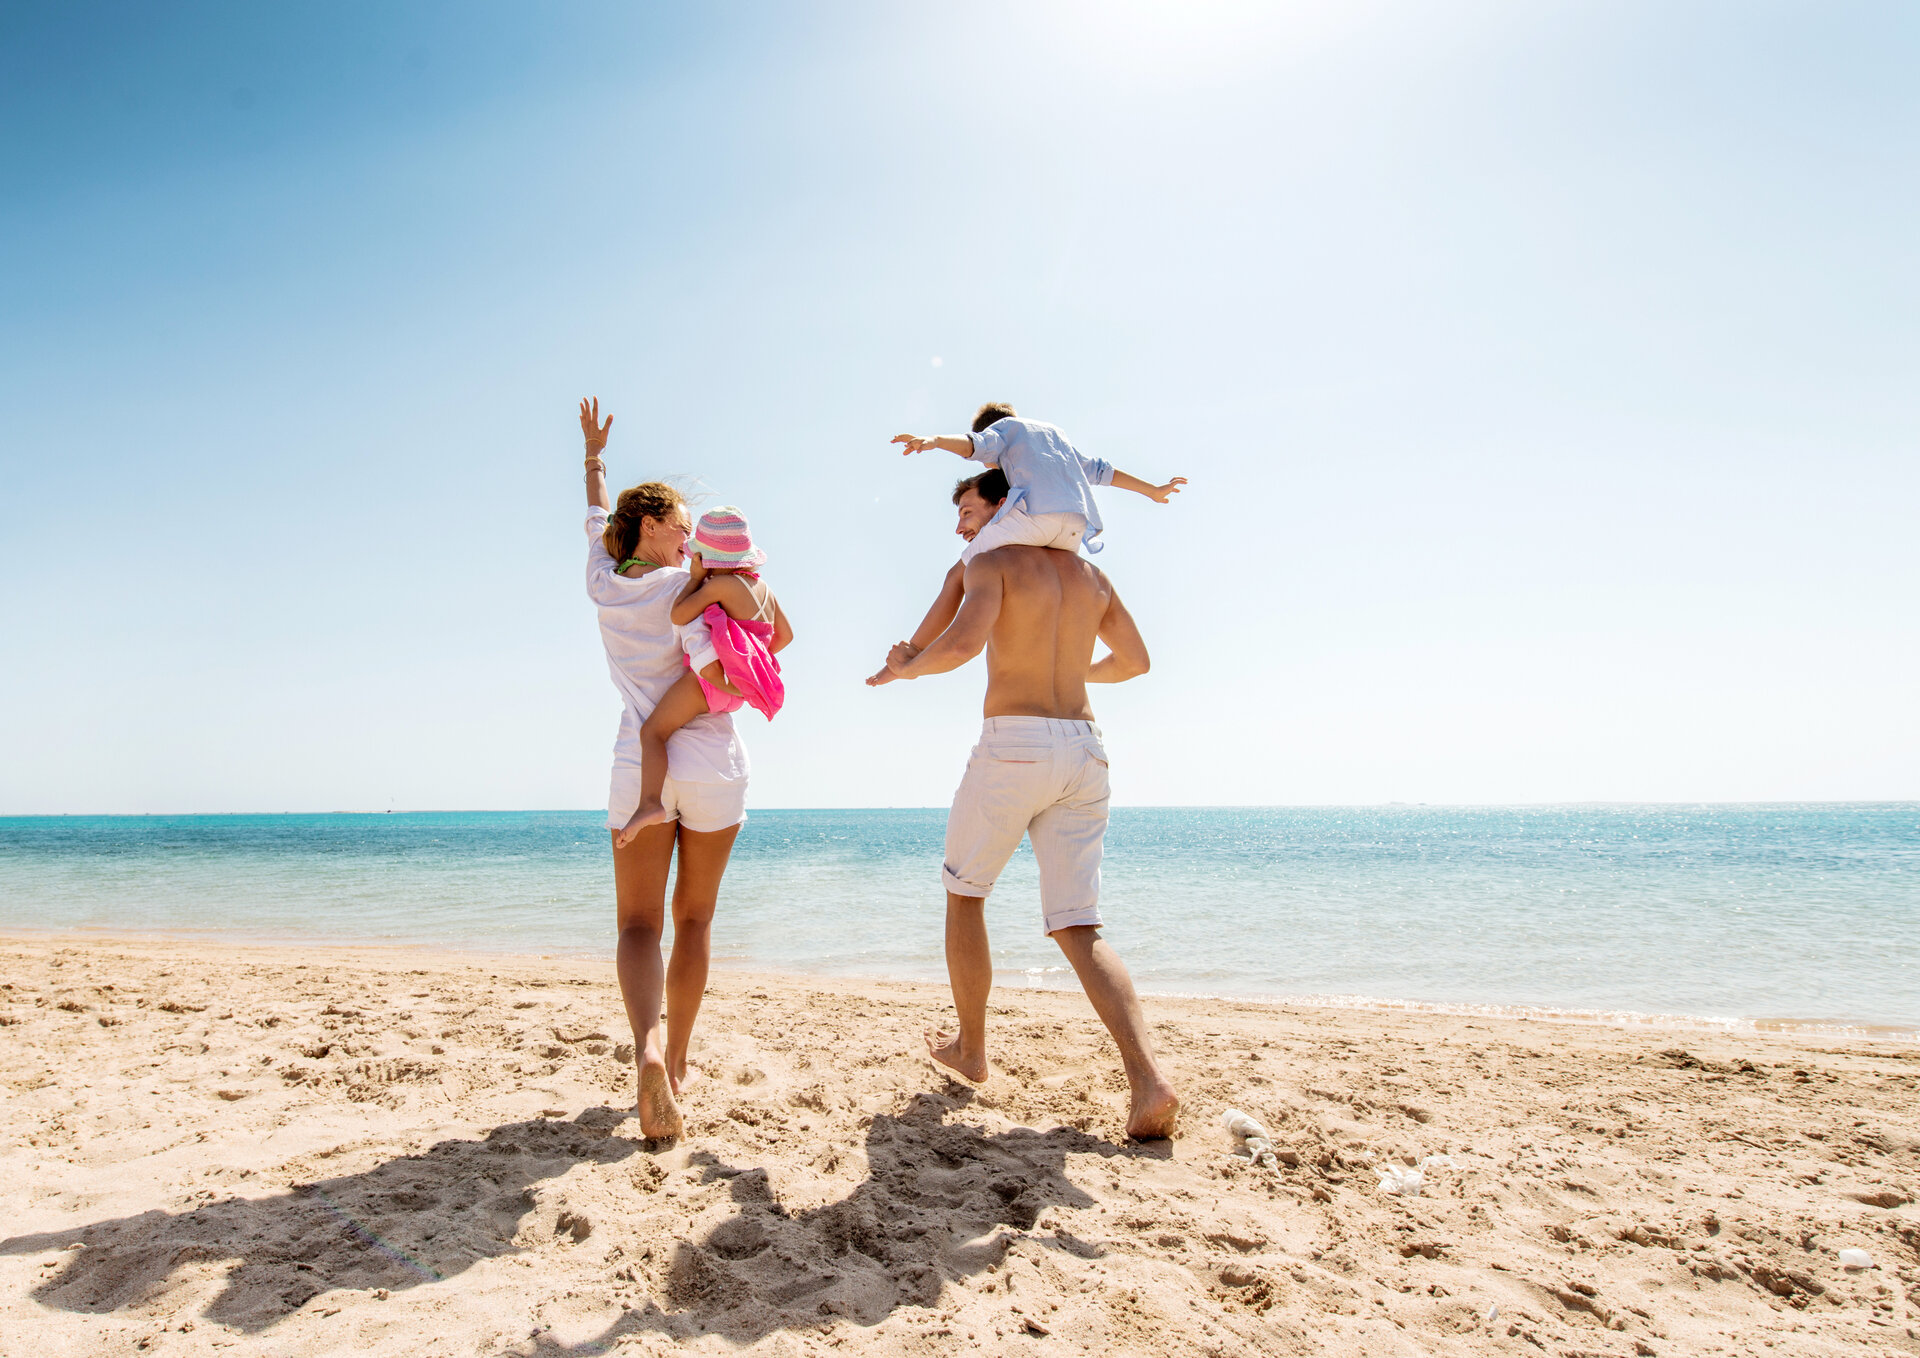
pixel 989 413
pixel 991 485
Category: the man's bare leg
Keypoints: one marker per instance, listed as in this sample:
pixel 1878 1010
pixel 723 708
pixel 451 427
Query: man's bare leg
pixel 1104 977
pixel 970 972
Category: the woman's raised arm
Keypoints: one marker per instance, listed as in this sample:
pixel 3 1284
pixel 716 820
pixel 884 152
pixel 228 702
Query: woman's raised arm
pixel 596 435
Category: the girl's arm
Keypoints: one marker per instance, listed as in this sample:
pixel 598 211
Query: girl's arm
pixel 782 630
pixel 705 588
pixel 693 602
pixel 696 579
pixel 1158 494
pixel 596 435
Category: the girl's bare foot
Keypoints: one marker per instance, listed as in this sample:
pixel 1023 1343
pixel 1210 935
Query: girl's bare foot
pixel 1154 1110
pixel 650 813
pixel 946 1051
pixel 659 1114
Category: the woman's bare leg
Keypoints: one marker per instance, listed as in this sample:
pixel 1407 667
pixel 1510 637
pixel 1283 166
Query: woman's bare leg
pixel 703 861
pixel 640 888
pixel 680 705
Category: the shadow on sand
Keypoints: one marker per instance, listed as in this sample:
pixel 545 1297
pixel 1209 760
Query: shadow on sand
pixel 935 1207
pixel 406 1222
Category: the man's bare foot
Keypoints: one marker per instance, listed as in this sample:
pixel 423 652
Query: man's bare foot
pixel 659 1114
pixel 1153 1113
pixel 946 1051
pixel 650 813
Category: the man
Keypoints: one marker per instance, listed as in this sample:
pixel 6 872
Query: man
pixel 1040 771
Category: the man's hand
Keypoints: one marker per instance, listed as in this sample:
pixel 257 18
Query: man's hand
pixel 900 657
pixel 902 652
pixel 590 426
pixel 1161 494
pixel 915 443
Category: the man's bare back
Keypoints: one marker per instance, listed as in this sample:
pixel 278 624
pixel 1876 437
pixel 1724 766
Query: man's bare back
pixel 1038 612
pixel 1042 643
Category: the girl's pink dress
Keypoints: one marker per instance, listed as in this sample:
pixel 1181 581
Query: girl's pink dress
pixel 747 662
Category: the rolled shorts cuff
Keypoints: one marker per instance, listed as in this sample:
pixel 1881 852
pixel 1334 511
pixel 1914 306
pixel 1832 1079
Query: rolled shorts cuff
pixel 959 886
pixel 1087 916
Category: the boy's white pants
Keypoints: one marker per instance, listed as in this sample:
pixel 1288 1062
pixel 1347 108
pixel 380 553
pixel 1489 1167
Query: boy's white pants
pixel 1014 527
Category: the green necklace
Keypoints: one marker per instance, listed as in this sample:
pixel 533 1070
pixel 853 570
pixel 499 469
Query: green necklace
pixel 636 561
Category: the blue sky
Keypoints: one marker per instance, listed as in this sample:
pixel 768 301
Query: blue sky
pixel 1544 375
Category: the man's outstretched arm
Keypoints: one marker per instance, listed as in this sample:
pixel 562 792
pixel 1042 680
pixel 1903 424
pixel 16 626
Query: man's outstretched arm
pixel 1126 656
pixel 966 636
pixel 938 619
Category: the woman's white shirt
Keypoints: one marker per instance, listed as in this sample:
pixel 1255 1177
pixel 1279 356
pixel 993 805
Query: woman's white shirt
pixel 644 651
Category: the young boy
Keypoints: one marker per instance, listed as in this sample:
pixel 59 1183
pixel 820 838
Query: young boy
pixel 1050 497
pixel 1048 488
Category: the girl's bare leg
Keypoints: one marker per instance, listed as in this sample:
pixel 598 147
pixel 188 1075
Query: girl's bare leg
pixel 640 888
pixel 682 703
pixel 703 861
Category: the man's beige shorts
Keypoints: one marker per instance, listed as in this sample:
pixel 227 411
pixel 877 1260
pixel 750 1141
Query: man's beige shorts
pixel 1037 776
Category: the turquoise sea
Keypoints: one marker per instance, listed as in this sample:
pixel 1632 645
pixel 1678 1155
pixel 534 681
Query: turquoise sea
pixel 1808 914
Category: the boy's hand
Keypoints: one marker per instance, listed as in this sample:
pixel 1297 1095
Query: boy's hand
pixel 901 656
pixel 902 652
pixel 1161 494
pixel 596 433
pixel 915 443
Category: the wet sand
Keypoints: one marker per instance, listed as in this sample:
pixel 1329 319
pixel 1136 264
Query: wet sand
pixel 216 1148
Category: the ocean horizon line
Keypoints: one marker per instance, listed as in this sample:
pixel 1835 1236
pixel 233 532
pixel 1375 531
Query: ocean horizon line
pixel 1572 804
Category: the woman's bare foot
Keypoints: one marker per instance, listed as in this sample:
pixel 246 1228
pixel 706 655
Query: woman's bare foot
pixel 946 1051
pixel 689 1075
pixel 1155 1107
pixel 659 1114
pixel 650 813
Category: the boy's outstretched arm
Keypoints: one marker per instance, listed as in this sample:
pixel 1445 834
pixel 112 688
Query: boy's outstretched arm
pixel 959 445
pixel 1158 494
pixel 952 590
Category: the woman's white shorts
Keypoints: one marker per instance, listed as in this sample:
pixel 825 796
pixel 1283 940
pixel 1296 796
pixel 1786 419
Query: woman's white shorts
pixel 701 807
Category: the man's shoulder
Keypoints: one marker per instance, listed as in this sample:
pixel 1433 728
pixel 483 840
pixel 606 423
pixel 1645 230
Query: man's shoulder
pixel 1021 558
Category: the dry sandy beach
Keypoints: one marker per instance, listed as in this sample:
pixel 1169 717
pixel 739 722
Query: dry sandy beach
pixel 212 1148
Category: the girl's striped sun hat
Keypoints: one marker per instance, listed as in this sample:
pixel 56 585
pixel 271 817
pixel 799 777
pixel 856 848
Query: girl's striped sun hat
pixel 723 539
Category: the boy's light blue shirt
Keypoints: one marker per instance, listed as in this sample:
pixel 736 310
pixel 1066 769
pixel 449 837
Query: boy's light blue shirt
pixel 1046 474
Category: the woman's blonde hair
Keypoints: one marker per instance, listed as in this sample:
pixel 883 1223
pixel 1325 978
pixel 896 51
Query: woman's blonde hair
pixel 648 500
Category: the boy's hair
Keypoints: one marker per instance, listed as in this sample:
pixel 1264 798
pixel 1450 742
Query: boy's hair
pixel 990 485
pixel 989 413
pixel 648 500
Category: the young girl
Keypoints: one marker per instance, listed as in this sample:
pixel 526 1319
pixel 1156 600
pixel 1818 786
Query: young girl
pixel 725 589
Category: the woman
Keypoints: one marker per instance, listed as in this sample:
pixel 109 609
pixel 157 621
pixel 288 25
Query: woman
pixel 635 570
